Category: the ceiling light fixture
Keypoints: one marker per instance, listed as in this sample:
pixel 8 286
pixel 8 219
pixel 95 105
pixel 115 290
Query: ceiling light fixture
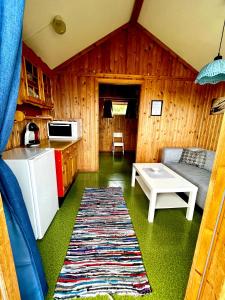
pixel 59 25
pixel 213 72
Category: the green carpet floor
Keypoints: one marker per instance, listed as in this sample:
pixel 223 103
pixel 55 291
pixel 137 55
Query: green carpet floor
pixel 167 245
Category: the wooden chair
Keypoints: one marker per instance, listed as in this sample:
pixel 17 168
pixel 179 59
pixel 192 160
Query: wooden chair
pixel 117 141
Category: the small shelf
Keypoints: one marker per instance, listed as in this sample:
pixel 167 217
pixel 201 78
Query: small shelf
pixel 143 185
pixel 39 117
pixel 37 103
pixel 170 200
pixel 35 118
pixel 163 200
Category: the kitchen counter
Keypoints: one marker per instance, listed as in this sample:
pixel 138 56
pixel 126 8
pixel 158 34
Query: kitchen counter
pixel 66 153
pixel 57 145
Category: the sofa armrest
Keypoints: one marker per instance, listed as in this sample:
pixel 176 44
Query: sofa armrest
pixel 169 155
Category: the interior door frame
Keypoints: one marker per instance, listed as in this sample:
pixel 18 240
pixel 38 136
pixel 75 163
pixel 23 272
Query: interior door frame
pixel 210 236
pixel 119 80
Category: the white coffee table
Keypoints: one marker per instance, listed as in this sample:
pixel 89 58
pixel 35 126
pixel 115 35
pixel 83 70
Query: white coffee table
pixel 161 186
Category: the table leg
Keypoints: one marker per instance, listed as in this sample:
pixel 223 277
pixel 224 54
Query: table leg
pixel 191 203
pixel 133 176
pixel 151 210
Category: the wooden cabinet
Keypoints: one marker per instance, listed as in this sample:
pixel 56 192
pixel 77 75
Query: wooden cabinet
pixel 35 93
pixel 47 90
pixel 33 81
pixel 66 168
pixel 35 86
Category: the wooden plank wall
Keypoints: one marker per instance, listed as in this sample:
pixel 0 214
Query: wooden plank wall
pixel 76 99
pixel 131 53
pixel 209 125
pixel 185 121
pixel 17 136
pixel 210 285
pixel 116 124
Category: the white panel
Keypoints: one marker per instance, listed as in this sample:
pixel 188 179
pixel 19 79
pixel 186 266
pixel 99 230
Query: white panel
pixel 171 200
pixel 191 28
pixel 22 153
pixel 87 21
pixel 21 170
pixel 44 190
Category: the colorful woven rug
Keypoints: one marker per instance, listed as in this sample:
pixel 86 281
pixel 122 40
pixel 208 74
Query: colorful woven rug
pixel 103 255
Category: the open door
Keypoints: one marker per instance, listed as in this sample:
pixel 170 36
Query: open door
pixel 118 113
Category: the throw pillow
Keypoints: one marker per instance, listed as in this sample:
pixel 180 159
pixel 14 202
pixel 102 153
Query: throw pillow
pixel 201 159
pixel 195 158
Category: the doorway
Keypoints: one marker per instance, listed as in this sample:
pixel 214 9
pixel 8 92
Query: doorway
pixel 118 112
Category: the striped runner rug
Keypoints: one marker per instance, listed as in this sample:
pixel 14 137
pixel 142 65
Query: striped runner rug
pixel 103 256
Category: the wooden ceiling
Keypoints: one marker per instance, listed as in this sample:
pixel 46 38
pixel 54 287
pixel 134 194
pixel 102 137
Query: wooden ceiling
pixel 192 29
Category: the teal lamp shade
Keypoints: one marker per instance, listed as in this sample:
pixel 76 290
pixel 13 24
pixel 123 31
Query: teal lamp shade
pixel 213 72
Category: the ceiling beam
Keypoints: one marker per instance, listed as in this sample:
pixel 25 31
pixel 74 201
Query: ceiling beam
pixel 136 11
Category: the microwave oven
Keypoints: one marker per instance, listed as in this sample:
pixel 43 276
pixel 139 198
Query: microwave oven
pixel 64 130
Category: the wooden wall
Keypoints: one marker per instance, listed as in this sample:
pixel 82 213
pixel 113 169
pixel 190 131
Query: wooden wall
pixel 185 121
pixel 76 99
pixel 17 136
pixel 116 124
pixel 209 125
pixel 132 54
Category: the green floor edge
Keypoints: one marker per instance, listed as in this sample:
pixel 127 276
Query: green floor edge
pixel 167 245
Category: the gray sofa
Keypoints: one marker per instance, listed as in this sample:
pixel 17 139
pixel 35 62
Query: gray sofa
pixel 198 176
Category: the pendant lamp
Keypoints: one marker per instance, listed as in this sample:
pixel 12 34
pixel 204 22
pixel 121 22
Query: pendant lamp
pixel 213 72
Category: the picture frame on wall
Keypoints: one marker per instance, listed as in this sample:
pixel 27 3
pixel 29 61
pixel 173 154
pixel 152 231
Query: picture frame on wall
pixel 218 106
pixel 156 107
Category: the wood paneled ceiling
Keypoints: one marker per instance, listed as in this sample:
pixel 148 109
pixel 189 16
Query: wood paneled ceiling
pixel 191 28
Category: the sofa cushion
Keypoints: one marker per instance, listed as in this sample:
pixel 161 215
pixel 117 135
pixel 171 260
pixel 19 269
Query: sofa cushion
pixel 171 154
pixel 197 176
pixel 193 157
pixel 210 155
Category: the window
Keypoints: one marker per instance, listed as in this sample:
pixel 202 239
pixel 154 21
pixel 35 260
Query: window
pixel 119 108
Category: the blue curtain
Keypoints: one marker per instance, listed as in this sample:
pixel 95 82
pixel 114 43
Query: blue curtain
pixel 27 259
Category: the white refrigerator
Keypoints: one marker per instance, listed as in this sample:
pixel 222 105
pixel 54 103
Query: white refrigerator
pixel 34 169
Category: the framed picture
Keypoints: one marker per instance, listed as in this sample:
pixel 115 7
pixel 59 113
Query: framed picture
pixel 156 107
pixel 218 106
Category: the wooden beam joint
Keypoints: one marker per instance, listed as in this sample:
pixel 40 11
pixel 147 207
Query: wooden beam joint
pixel 136 11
